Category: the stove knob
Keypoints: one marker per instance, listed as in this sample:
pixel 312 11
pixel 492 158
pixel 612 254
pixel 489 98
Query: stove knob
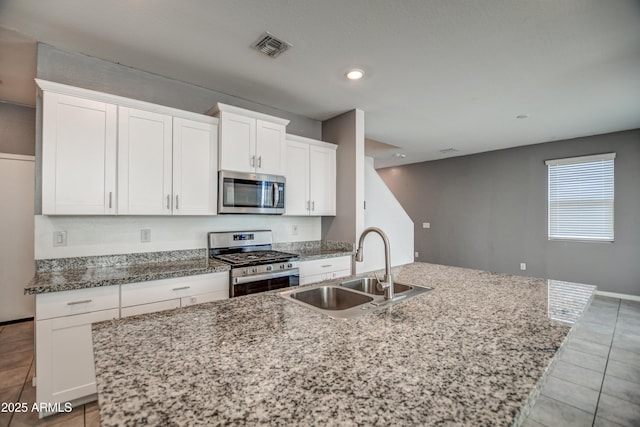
pixel 289 265
pixel 269 268
pixel 255 270
pixel 245 272
pixel 281 266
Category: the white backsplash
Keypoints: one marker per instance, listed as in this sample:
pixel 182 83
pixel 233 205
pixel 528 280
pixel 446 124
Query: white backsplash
pixel 106 235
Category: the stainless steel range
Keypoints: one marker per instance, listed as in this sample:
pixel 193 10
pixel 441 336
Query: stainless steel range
pixel 255 266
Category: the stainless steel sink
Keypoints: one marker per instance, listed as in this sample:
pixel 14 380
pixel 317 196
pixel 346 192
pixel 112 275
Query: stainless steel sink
pixel 369 285
pixel 331 298
pixel 349 299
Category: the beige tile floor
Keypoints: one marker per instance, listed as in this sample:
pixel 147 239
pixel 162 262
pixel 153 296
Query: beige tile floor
pixel 596 381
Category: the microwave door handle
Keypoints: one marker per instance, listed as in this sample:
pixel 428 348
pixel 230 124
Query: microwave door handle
pixel 276 195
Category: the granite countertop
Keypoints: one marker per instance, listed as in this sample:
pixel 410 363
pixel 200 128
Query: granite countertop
pixel 316 249
pixel 469 352
pixel 91 277
pixel 321 253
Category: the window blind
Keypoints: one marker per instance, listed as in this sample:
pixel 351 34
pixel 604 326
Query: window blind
pixel 581 195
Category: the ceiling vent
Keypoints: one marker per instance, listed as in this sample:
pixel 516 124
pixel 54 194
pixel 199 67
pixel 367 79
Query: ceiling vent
pixel 270 45
pixel 448 150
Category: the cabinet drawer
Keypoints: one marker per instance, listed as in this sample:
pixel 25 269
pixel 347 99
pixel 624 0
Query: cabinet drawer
pixel 67 303
pixel 166 289
pixel 330 275
pixel 208 297
pixel 153 307
pixel 320 266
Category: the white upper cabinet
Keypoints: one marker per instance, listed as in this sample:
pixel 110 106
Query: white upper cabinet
pixel 166 158
pixel 270 148
pixel 322 180
pixel 144 162
pixel 250 141
pixel 237 142
pixel 195 160
pixel 311 177
pixel 78 156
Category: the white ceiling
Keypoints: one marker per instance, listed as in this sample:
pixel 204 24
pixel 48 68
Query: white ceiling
pixel 439 73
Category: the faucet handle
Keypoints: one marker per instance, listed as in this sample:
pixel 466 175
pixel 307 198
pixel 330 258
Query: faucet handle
pixel 381 285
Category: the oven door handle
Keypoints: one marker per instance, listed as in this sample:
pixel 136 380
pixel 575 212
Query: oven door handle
pixel 276 195
pixel 257 277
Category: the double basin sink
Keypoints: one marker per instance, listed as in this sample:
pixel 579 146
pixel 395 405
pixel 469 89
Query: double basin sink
pixel 351 298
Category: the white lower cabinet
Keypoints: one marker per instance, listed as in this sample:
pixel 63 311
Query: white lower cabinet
pixel 65 369
pixel 64 345
pixel 159 295
pixel 324 269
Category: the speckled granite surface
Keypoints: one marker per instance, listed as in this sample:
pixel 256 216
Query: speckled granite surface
pixel 470 352
pixel 91 277
pixel 316 249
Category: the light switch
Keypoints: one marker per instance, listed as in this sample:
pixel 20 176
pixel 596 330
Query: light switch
pixel 417 254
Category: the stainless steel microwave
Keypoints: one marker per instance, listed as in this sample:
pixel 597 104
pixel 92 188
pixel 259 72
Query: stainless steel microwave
pixel 250 193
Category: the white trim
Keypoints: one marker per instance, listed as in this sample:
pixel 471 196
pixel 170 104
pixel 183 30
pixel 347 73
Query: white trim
pixel 617 295
pixel 121 101
pixel 224 108
pixel 311 141
pixel 7 156
pixel 581 159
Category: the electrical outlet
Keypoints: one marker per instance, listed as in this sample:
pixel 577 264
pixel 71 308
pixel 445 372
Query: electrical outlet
pixel 523 266
pixel 426 225
pixel 417 254
pixel 59 238
pixel 294 230
pixel 145 235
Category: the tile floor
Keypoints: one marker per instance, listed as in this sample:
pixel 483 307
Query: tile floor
pixel 596 381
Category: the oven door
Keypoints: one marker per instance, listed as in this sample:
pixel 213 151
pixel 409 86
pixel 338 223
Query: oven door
pixel 264 282
pixel 250 193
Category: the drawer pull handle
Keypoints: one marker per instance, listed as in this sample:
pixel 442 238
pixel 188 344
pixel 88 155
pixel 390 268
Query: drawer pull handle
pixel 84 301
pixel 181 288
pixel 328 265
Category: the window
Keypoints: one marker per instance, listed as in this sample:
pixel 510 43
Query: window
pixel 581 198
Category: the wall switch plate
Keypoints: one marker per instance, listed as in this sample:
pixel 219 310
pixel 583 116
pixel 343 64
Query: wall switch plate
pixel 294 230
pixel 145 235
pixel 417 254
pixel 59 238
pixel 523 266
pixel 426 225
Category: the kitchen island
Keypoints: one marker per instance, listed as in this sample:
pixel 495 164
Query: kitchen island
pixel 471 351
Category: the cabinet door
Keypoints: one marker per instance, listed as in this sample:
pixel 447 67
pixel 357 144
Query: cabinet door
pixel 153 307
pixel 144 162
pixel 237 143
pixel 270 148
pixel 64 356
pixel 297 174
pixel 78 156
pixel 322 179
pixel 195 164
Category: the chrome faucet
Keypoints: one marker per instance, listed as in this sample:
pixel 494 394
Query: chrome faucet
pixel 387 281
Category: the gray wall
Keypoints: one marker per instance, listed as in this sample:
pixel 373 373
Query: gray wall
pixel 489 211
pixel 96 74
pixel 17 129
pixel 347 131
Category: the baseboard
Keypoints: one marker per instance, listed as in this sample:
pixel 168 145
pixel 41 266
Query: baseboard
pixel 11 322
pixel 617 295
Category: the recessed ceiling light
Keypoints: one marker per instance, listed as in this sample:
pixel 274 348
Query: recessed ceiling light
pixel 522 116
pixel 400 155
pixel 355 74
